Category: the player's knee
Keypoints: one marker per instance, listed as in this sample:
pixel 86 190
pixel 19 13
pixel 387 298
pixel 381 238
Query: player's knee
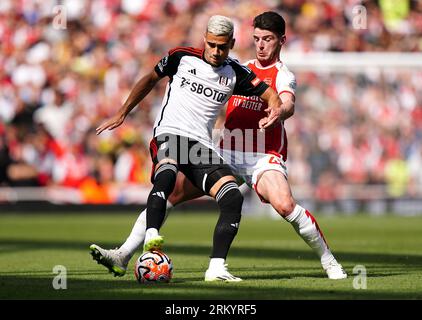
pixel 230 199
pixel 164 180
pixel 284 205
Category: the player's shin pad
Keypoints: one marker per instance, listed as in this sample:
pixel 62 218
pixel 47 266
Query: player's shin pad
pixel 164 182
pixel 230 201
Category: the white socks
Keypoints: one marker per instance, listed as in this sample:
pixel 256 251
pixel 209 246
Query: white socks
pixel 150 233
pixel 306 226
pixel 137 235
pixel 216 263
pixel 301 220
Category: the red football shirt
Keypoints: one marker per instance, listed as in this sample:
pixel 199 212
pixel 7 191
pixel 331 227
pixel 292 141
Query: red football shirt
pixel 244 113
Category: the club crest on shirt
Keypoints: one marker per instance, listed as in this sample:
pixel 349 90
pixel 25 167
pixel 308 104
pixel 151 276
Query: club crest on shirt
pixel 224 81
pixel 268 81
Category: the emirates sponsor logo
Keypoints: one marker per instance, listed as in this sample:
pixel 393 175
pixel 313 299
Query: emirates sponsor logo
pixel 268 81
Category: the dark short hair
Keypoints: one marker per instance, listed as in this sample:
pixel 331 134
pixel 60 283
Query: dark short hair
pixel 271 21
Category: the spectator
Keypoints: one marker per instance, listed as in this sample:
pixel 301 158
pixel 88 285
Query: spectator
pixel 57 84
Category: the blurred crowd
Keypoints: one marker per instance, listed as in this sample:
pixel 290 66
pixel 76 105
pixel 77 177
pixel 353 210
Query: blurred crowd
pixel 65 66
pixel 363 129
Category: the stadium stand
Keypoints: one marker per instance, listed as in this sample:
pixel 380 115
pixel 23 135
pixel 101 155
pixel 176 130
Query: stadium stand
pixel 353 129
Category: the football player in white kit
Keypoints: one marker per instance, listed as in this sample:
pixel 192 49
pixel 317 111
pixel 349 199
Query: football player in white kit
pixel 260 165
pixel 201 82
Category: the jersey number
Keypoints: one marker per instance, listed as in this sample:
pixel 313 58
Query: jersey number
pixel 274 160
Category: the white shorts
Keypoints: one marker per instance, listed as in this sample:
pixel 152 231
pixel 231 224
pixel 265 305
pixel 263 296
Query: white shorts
pixel 248 166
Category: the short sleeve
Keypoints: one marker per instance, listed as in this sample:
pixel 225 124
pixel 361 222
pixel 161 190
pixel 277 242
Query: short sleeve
pixel 286 81
pixel 247 83
pixel 168 65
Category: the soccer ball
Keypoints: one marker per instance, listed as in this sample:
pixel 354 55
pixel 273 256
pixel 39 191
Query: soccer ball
pixel 153 266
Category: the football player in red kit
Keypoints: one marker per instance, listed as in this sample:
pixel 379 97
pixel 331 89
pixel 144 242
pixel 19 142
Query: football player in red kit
pixel 258 158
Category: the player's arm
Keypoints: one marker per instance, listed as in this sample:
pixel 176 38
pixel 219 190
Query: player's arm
pixel 219 123
pixel 288 99
pixel 250 85
pixel 138 93
pixel 286 88
pixel 280 107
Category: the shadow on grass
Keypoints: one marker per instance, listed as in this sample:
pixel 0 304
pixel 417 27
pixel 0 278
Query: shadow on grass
pixel 23 287
pixel 351 258
pixel 86 272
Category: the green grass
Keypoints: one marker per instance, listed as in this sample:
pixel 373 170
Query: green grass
pixel 273 261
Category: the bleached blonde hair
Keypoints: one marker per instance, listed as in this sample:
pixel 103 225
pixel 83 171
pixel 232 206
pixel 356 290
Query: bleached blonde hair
pixel 220 26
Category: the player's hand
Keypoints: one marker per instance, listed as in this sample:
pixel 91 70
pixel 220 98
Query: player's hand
pixel 111 124
pixel 270 120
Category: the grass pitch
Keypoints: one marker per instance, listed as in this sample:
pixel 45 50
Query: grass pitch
pixel 273 261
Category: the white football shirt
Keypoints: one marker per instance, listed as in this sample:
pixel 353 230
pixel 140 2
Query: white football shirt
pixel 197 91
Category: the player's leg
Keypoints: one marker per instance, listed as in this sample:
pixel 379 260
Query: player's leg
pixel 165 153
pixel 164 181
pixel 272 186
pixel 226 192
pixel 164 178
pixel 222 186
pixel 183 191
pixel 116 260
